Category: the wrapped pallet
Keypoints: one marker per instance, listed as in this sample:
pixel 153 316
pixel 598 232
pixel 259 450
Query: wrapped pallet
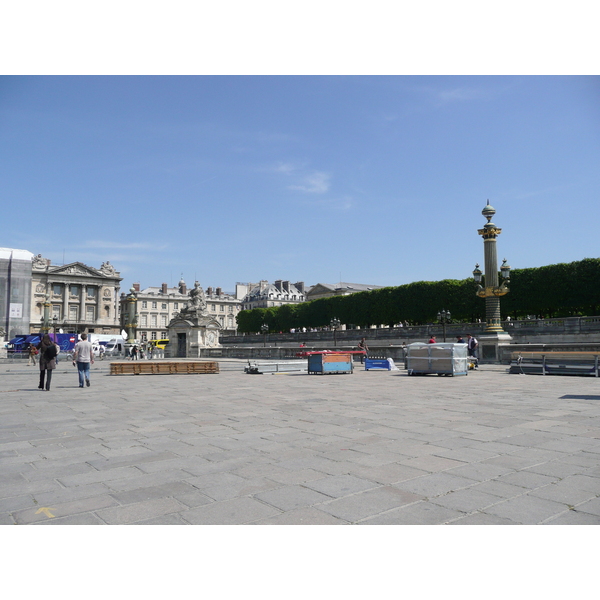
pixel 441 359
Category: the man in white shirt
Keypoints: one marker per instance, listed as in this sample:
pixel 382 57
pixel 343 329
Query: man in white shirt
pixel 84 357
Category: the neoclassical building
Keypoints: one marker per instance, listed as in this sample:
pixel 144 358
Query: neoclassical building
pixel 157 306
pixel 82 298
pixel 265 294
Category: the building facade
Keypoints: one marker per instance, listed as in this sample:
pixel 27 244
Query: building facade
pixel 82 298
pixel 266 295
pixel 327 290
pixel 157 306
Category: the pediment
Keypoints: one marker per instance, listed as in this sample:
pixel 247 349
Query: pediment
pixel 76 268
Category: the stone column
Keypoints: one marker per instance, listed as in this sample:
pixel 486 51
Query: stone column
pixel 65 300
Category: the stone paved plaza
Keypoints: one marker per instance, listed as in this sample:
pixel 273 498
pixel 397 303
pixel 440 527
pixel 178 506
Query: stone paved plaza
pixel 369 448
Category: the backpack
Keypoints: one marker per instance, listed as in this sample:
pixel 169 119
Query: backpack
pixel 50 352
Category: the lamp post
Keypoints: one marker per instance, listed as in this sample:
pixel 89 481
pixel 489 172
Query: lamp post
pixel 444 318
pixel 131 324
pixel 334 324
pixel 265 329
pixel 55 322
pixel 46 318
pixel 493 289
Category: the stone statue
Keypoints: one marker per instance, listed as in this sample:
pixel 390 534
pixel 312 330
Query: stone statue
pixel 38 262
pixel 197 303
pixel 107 269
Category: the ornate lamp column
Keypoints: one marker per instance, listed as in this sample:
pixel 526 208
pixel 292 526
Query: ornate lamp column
pixel 46 320
pixel 131 316
pixel 494 334
pixel 334 324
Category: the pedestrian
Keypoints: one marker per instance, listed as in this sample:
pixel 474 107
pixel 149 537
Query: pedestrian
pixel 101 351
pixel 150 350
pixel 33 352
pixel 134 353
pixel 83 357
pixel 472 345
pixel 362 345
pixel 459 339
pixel 47 350
pixel 432 340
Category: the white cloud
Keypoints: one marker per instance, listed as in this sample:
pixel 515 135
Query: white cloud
pixel 314 183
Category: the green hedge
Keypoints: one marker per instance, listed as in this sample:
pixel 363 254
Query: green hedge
pixel 550 291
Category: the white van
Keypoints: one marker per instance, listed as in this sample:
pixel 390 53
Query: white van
pixel 116 347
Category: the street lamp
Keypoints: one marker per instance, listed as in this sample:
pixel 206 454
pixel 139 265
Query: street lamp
pixel 54 322
pixel 444 318
pixel 493 289
pixel 46 318
pixel 265 329
pixel 131 315
pixel 334 324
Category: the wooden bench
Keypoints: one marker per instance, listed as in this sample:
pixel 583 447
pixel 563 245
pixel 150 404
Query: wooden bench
pixel 148 367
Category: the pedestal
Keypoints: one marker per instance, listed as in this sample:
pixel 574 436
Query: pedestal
pixel 187 338
pixel 490 346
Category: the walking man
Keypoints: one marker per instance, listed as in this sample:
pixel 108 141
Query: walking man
pixel 84 357
pixel 362 345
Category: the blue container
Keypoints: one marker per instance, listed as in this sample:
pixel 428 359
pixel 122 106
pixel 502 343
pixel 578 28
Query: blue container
pixel 330 363
pixel 377 364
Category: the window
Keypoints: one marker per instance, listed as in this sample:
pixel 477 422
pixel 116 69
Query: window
pixel 230 308
pixel 91 292
pixel 154 305
pixel 222 319
pixel 222 307
pixel 176 305
pixel 73 314
pixel 163 320
pixel 55 311
pixel 90 313
pixel 57 289
pixel 163 306
pixel 74 290
pixel 153 335
pixel 144 320
pixel 144 304
pixel 213 307
pixel 153 320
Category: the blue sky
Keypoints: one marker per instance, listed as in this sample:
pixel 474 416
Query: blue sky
pixel 368 179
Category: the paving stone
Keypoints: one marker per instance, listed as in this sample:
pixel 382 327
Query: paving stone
pixel 41 513
pixel 291 497
pixel 431 463
pixel 366 504
pixel 466 500
pixel 99 476
pixel 574 517
pixel 340 485
pixel 435 484
pixel 80 519
pixel 527 509
pixel 238 511
pixel 527 479
pixel 302 516
pixel 591 506
pixel 140 511
pixel 6 519
pixel 482 518
pixel 167 490
pixel 564 491
pixel 419 513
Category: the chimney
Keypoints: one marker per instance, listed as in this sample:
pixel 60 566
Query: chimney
pixel 209 291
pixel 300 286
pixel 278 285
pixel 286 287
pixel 164 288
pixel 219 291
pixel 136 287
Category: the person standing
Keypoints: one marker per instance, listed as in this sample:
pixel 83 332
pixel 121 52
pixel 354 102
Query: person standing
pixel 47 349
pixel 432 340
pixel 459 339
pixel 33 352
pixel 83 357
pixel 472 345
pixel 362 345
